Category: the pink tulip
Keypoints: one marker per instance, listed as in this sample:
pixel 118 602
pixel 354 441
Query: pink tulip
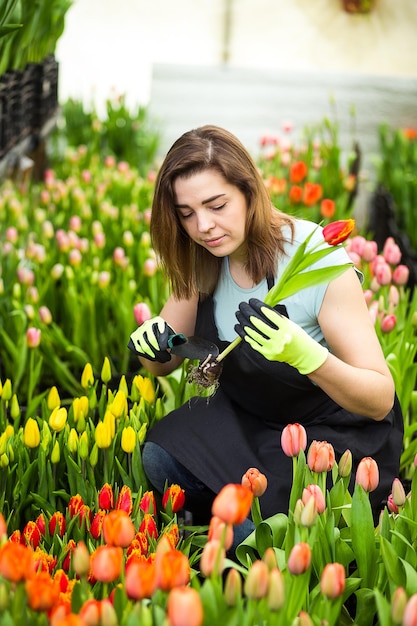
pixel 392 507
pixel 410 612
pixel 257 580
pixel 142 313
pixel 315 492
pixel 388 323
pixel 367 474
pixel 398 492
pixel 401 275
pixel 369 252
pixel 356 244
pixel 391 252
pixel 333 580
pixel 320 456
pixel 299 559
pixel 212 558
pixel 33 337
pixel 45 315
pixel 293 439
pixel 383 274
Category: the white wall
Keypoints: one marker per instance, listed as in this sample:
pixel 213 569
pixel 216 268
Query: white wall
pixel 113 44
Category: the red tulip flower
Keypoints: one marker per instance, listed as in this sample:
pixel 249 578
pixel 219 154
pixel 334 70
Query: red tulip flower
pixel 124 500
pixel 74 505
pixel 106 498
pixel 148 503
pixel 57 524
pixel 174 497
pixel 338 231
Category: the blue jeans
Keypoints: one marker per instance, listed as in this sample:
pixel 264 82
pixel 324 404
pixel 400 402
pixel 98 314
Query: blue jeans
pixel 162 468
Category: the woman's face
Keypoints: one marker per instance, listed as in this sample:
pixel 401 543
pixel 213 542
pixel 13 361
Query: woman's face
pixel 212 212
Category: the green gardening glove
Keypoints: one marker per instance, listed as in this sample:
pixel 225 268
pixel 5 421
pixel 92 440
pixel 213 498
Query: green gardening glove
pixel 150 340
pixel 277 338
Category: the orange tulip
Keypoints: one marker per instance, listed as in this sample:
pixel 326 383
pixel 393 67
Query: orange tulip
pixel 312 193
pixel 299 559
pixel 106 563
pixel 90 612
pixel 185 607
pixel 71 619
pixel 140 579
pixel 174 496
pixel 320 456
pixel 16 562
pixel 298 172
pixel 42 592
pixel 172 569
pixel 118 529
pixel 333 580
pixel 327 208
pixel 3 526
pixel 255 482
pixel 295 194
pixel 232 504
pixel 367 474
pixel 293 439
pixel 337 232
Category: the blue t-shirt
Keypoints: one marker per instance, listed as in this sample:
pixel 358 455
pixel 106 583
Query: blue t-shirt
pixel 303 307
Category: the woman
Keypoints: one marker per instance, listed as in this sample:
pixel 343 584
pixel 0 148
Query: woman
pixel 222 246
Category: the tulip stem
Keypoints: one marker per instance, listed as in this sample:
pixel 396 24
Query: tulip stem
pixel 256 512
pixel 229 348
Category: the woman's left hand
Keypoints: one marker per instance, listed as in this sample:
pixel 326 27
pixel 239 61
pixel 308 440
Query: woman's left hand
pixel 277 338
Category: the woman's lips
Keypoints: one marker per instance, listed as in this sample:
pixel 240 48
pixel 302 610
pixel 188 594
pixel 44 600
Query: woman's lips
pixel 214 242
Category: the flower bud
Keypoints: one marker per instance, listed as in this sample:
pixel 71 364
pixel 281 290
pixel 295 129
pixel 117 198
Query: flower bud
pixel 87 377
pixel 276 590
pixel 398 603
pixel 308 513
pixel 410 612
pixel 142 313
pixel 320 456
pixel 367 474
pixel 398 492
pixel 58 419
pixel 33 337
pixel 6 392
pixel 174 498
pixel 14 407
pixel 232 587
pixel 72 441
pixel 299 559
pixel 293 439
pixel 315 492
pixel 388 323
pixel 53 400
pixel 345 464
pixel 83 446
pixel 333 580
pixel 255 482
pixel 106 371
pixel 232 504
pixel 212 558
pixel 31 434
pixel 185 607
pixel 338 231
pixel 257 580
pixel 401 275
pixel 106 497
pixel 128 440
pixel 56 453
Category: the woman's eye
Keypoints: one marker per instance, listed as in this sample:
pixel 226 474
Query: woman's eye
pixel 218 207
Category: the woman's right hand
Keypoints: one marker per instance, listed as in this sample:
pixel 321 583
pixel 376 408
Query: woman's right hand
pixel 150 340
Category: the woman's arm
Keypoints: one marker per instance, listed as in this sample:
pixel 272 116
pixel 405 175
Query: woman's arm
pixel 181 316
pixel 355 374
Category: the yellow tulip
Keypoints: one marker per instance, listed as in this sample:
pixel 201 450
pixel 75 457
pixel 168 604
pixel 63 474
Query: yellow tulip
pixel 119 405
pixel 145 388
pixel 53 399
pixel 128 441
pixel 80 408
pixel 142 433
pixel 94 455
pixel 31 434
pixel 87 377
pixel 123 385
pixel 102 435
pixel 58 419
pixel 4 461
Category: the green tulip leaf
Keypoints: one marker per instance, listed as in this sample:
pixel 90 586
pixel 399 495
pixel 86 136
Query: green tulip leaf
pixel 363 536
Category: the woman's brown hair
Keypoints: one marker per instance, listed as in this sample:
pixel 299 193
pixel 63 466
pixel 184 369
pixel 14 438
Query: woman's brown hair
pixel 191 268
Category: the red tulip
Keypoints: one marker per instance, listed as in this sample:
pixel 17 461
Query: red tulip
pixel 367 474
pixel 32 534
pixel 124 500
pixel 255 482
pixel 96 526
pixel 40 523
pixel 148 503
pixel 293 439
pixel 106 498
pixel 232 504
pixel 74 505
pixel 174 497
pixel 298 172
pixel 57 524
pixel 69 549
pixel 148 525
pixel 337 232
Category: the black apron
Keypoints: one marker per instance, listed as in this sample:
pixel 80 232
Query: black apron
pixel 219 438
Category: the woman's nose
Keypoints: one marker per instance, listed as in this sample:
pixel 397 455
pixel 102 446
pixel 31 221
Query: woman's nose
pixel 205 221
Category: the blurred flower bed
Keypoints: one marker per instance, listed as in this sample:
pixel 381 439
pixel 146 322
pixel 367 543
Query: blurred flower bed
pixel 77 272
